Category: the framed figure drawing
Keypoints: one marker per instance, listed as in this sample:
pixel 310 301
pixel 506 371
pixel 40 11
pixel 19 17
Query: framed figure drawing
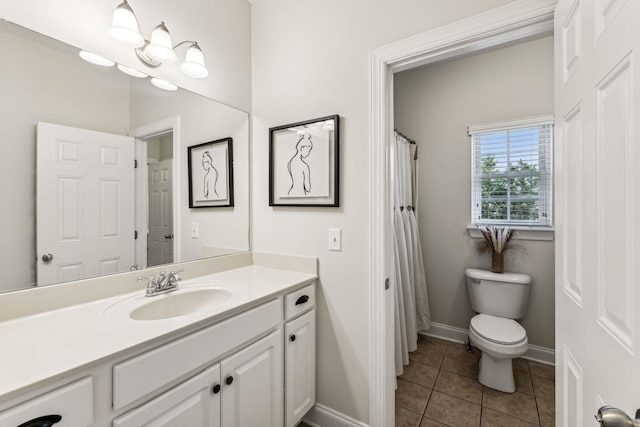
pixel 211 174
pixel 304 163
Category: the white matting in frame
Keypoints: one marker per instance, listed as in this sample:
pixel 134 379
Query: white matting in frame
pixel 211 174
pixel 303 163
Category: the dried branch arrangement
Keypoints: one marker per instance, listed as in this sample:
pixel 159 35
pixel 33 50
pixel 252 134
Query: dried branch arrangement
pixel 496 241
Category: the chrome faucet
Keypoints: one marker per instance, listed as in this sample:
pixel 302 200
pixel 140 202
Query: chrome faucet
pixel 165 283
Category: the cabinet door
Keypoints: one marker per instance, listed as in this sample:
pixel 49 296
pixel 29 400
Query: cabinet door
pixel 194 403
pixel 252 391
pixel 300 367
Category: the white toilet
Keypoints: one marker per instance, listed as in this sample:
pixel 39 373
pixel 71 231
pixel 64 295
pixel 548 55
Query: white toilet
pixel 498 298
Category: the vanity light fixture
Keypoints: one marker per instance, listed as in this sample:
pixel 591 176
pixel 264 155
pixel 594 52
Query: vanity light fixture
pixel 95 59
pixel 163 84
pixel 132 72
pixel 159 49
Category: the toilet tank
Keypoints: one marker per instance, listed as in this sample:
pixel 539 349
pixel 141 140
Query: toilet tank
pixel 498 294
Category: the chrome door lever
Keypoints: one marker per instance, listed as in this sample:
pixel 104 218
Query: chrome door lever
pixel 609 416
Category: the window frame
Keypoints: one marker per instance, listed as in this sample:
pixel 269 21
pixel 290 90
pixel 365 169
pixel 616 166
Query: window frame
pixel 544 171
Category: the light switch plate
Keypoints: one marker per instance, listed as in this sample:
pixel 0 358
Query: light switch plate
pixel 335 239
pixel 195 233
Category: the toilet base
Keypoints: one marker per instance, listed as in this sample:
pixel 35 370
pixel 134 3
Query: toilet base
pixel 496 373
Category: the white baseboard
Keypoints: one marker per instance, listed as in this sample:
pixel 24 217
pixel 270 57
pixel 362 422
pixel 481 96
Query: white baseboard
pixel 451 333
pixel 541 355
pixel 322 416
pixel 447 333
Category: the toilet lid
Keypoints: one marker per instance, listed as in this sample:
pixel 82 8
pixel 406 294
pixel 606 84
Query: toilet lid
pixel 498 329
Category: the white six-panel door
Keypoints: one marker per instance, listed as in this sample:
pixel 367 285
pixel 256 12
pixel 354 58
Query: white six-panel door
pixel 85 214
pixel 160 239
pixel 598 202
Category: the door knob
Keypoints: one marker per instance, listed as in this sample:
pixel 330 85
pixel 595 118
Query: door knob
pixel 47 257
pixel 608 416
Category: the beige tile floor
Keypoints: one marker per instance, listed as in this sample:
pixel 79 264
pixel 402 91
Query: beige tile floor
pixel 439 387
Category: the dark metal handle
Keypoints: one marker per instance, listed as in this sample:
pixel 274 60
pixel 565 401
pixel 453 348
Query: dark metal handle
pixel 229 380
pixel 168 236
pixel 292 337
pixel 216 389
pixel 46 258
pixel 45 421
pixel 302 299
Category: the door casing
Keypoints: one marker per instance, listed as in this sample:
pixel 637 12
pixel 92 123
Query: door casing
pixel 507 24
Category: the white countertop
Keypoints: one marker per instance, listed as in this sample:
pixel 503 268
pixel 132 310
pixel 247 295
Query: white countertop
pixel 43 346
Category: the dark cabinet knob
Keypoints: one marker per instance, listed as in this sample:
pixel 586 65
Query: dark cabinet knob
pixel 302 299
pixel 46 421
pixel 216 389
pixel 229 380
pixel 292 337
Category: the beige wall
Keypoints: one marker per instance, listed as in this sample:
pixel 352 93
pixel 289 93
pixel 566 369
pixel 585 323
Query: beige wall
pixel 311 59
pixel 434 106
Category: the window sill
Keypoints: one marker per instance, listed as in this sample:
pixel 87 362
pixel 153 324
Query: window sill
pixel 523 233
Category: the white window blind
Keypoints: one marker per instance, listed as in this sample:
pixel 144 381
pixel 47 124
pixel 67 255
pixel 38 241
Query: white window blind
pixel 512 172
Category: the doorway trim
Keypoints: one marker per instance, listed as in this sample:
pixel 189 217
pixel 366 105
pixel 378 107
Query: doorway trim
pixel 510 23
pixel 170 124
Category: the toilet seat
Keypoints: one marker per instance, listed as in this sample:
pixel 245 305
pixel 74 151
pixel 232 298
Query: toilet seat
pixel 498 329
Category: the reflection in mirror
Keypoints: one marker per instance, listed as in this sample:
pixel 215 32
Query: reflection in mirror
pixel 50 94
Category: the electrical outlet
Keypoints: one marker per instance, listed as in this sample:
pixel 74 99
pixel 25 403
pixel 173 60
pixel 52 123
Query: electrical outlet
pixel 335 239
pixel 194 230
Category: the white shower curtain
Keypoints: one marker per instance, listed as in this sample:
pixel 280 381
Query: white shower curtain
pixel 411 302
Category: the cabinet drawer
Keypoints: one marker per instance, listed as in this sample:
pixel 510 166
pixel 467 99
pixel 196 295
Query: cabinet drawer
pixel 299 301
pixel 73 402
pixel 143 374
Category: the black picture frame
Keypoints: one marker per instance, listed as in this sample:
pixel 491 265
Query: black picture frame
pixel 304 163
pixel 210 169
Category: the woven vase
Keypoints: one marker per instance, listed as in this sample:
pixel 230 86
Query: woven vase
pixel 497 262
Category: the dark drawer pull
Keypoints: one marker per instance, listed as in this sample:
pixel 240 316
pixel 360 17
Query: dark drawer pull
pixel 292 337
pixel 46 421
pixel 229 380
pixel 216 389
pixel 302 299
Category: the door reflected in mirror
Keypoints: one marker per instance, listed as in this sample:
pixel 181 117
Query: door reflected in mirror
pixel 72 93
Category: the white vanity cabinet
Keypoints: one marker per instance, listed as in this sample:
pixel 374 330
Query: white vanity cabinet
pixel 242 386
pixel 300 354
pixel 252 385
pixel 253 365
pixel 196 403
pixel 244 389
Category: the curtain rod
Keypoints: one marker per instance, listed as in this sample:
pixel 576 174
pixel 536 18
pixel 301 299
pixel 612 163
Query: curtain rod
pixel 411 141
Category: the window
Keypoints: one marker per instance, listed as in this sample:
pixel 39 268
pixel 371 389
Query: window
pixel 512 172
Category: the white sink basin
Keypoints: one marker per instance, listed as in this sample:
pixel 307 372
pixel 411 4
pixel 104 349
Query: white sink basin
pixel 191 299
pixel 180 303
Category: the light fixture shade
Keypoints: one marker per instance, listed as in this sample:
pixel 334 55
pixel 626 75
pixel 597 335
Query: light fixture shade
pixel 124 26
pixel 160 47
pixel 132 72
pixel 163 84
pixel 193 65
pixel 95 59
